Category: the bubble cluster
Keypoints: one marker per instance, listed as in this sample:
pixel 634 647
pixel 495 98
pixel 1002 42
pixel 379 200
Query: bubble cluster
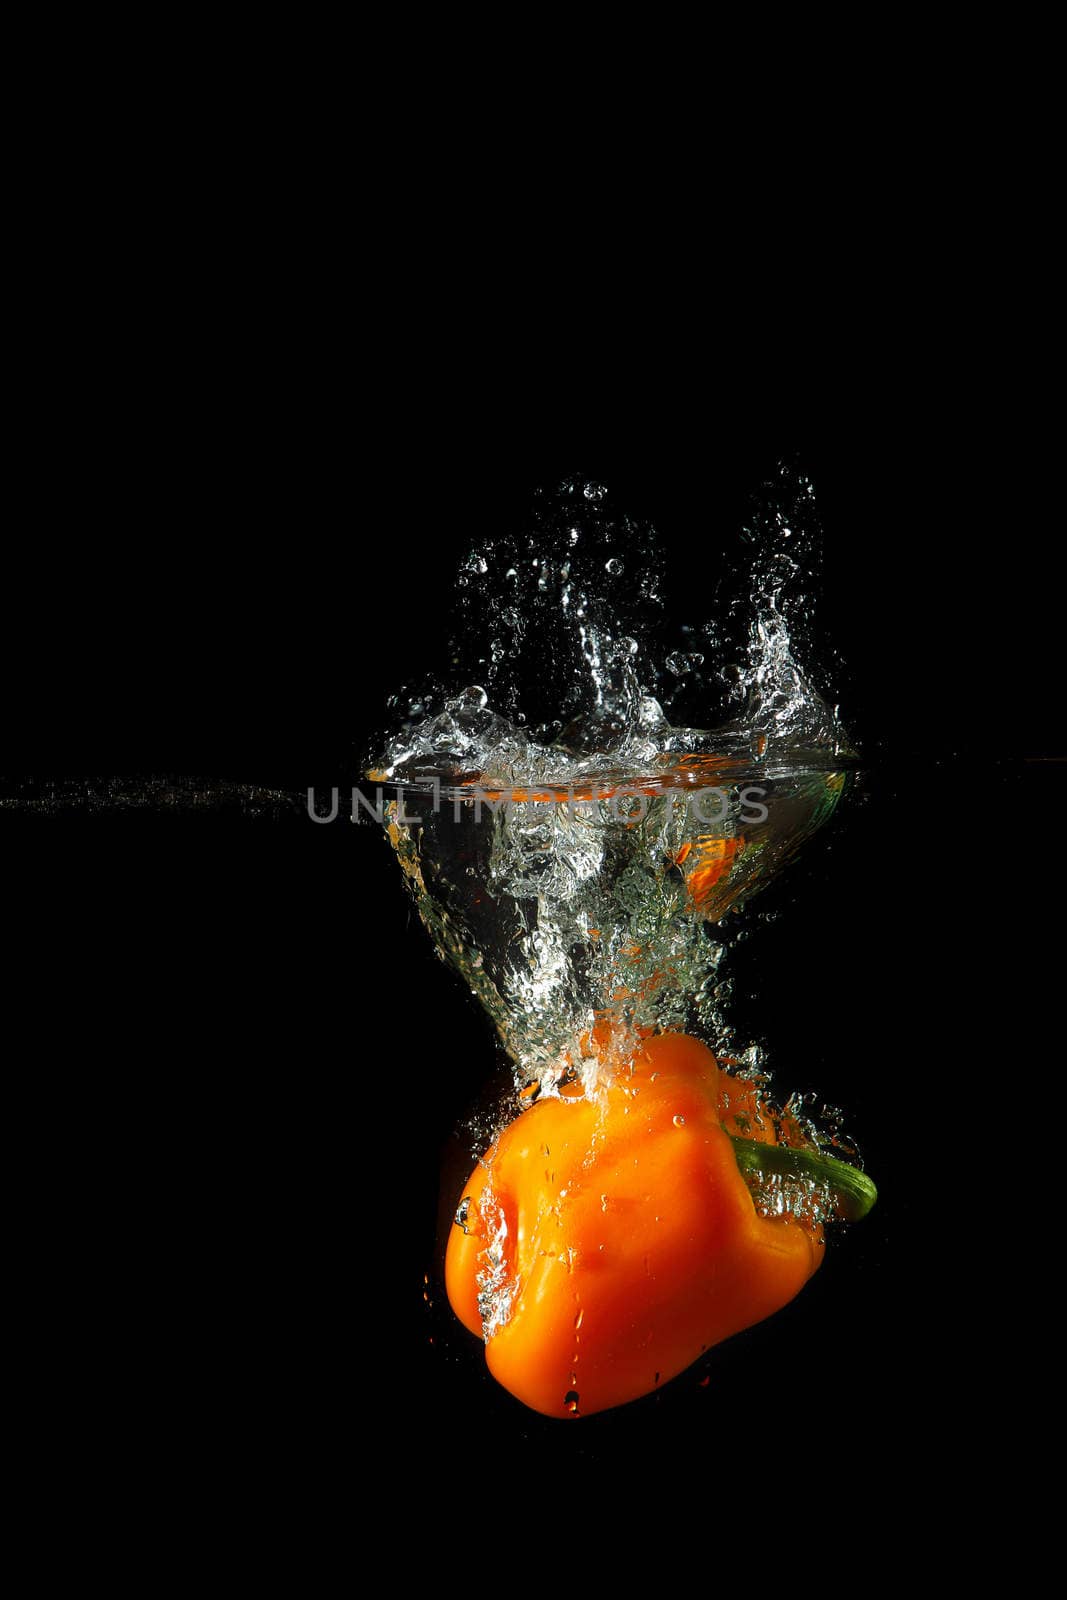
pixel 578 867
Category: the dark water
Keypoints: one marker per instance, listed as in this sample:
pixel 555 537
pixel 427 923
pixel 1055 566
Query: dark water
pixel 247 1064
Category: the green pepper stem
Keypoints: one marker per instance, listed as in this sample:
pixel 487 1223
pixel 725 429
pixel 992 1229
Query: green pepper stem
pixel 853 1190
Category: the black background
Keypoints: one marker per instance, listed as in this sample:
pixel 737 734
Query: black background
pixel 250 1055
pixel 277 348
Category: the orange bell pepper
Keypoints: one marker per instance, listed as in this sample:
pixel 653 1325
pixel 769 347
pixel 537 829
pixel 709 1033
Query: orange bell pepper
pixel 610 1240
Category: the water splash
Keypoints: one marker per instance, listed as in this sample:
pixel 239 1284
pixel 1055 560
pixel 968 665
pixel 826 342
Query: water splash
pixel 565 662
pixel 575 870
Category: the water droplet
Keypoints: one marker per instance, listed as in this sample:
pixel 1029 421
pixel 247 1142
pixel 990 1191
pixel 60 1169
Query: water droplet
pixel 462 1213
pixel 545 1151
pixel 511 573
pixel 679 1122
pixel 579 1319
pixel 570 1401
pixel 614 566
pixel 603 1202
pixel 574 535
pixel 594 491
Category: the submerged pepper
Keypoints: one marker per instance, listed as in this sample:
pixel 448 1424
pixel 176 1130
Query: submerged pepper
pixel 606 1241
